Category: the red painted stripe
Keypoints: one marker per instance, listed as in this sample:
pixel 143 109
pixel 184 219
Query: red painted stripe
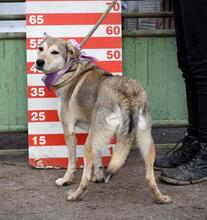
pixel 56 139
pixel 61 162
pixel 71 19
pixel 43 116
pixel 93 42
pixel 40 92
pixel 31 69
pixel 111 66
pixel 50 140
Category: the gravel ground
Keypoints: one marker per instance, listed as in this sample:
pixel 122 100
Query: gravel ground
pixel 27 193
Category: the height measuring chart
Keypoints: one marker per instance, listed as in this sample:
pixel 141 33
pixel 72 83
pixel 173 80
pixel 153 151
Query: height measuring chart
pixel 71 19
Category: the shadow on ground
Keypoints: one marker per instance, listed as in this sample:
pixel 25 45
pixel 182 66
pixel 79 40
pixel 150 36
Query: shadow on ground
pixel 27 193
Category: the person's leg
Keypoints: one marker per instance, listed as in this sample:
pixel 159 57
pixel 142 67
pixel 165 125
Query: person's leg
pixel 194 18
pixel 178 156
pixel 194 22
pixel 196 43
pixel 182 57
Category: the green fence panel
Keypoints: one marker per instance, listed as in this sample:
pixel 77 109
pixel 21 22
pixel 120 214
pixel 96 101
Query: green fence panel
pixel 151 60
pixel 13 103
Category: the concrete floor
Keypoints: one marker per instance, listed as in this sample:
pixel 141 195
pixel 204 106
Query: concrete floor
pixel 27 193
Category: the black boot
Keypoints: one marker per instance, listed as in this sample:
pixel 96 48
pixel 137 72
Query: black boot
pixel 195 171
pixel 177 155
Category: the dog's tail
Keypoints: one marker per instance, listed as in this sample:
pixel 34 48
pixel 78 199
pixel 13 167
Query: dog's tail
pixel 133 113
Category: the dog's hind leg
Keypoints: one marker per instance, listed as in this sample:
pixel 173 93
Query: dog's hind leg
pixel 100 134
pixel 147 149
pixel 119 156
pixel 71 146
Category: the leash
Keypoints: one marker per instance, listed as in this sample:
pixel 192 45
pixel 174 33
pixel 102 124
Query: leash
pixel 98 23
pixel 51 79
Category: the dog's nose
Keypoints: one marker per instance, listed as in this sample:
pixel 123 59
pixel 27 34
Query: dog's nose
pixel 40 63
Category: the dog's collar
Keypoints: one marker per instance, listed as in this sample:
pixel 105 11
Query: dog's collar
pixel 51 78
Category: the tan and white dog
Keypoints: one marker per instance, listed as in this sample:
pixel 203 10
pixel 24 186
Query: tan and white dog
pixel 105 105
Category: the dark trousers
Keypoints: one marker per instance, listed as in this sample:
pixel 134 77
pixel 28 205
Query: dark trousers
pixel 191 36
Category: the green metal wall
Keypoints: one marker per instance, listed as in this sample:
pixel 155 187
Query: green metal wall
pixel 13 84
pixel 151 60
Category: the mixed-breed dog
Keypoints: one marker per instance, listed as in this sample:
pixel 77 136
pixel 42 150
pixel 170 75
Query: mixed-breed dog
pixel 105 105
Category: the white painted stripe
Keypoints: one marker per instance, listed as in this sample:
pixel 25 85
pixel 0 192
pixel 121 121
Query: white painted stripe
pixel 60 151
pixel 70 31
pixel 100 54
pixel 67 7
pixel 43 104
pixel 45 128
pixel 36 79
pixel 49 128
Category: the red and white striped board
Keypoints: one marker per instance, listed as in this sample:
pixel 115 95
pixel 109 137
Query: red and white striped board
pixel 65 19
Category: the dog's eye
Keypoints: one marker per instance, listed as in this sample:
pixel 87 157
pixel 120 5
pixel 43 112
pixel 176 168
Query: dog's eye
pixel 54 52
pixel 41 49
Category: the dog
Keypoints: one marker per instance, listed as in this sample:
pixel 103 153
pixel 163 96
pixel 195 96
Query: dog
pixel 105 105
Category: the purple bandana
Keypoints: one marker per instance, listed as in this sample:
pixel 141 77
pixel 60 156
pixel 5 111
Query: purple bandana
pixel 51 78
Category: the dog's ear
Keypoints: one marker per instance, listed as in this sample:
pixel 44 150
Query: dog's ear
pixel 45 35
pixel 71 49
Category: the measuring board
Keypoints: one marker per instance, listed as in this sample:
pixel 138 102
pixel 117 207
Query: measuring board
pixel 68 20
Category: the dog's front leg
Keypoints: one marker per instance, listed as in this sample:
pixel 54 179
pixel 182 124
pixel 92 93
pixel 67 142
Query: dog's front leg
pixel 98 175
pixel 71 141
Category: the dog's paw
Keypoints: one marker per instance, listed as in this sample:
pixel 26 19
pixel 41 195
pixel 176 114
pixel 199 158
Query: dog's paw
pixel 61 182
pixel 72 196
pixel 98 176
pixel 167 199
pixel 97 179
pixel 164 200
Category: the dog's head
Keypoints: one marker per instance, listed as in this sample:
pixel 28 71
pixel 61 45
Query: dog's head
pixel 54 53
